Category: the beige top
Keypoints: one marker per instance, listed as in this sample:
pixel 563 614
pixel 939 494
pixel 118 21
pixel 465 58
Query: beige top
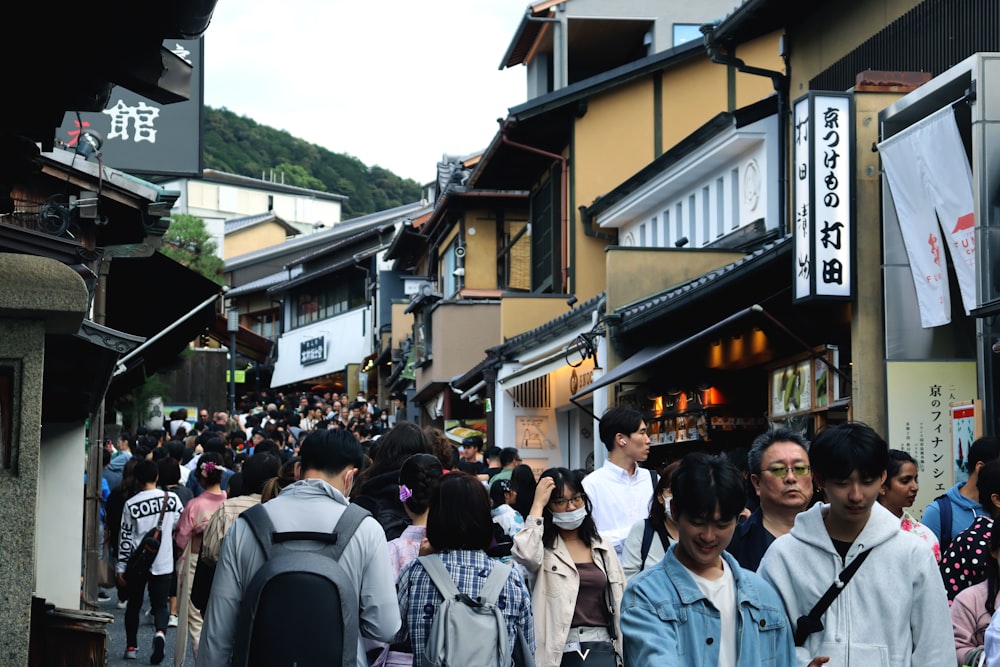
pixel 220 523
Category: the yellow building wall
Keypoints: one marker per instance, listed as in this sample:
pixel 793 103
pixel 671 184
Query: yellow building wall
pixel 402 323
pixel 834 30
pixel 520 314
pixel 480 249
pixel 636 273
pixel 763 52
pixel 694 92
pixel 255 238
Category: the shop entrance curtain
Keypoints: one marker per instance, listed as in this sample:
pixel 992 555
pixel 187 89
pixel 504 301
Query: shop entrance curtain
pixel 931 184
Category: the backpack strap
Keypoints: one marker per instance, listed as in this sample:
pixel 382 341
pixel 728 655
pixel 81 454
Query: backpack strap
pixel 495 582
pixel 653 478
pixel 442 580
pixel 335 542
pixel 811 622
pixel 944 505
pixel 647 542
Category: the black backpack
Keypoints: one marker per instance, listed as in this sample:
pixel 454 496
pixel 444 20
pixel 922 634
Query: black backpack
pixel 300 607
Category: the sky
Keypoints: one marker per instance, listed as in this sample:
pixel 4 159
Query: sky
pixel 394 83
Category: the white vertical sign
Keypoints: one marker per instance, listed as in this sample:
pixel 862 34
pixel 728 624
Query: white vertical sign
pixel 802 207
pixel 824 196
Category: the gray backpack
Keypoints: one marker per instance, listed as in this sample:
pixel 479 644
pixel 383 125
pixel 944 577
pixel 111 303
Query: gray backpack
pixel 464 630
pixel 300 607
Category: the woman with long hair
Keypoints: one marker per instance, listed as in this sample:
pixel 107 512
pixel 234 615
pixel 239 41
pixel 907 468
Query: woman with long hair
pixel 649 539
pixel 899 491
pixel 194 519
pixel 578 581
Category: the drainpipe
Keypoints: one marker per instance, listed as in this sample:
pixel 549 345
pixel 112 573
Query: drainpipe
pixel 563 204
pixel 780 82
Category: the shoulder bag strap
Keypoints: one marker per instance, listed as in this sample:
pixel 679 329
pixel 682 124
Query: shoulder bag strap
pixel 944 505
pixel 163 510
pixel 647 542
pixel 812 619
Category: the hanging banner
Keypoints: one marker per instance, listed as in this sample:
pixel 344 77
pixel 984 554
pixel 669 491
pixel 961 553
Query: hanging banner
pixel 823 191
pixel 930 179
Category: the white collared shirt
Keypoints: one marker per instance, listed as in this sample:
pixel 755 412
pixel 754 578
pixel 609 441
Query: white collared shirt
pixel 618 500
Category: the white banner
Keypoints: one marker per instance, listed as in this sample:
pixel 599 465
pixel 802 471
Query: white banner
pixel 931 180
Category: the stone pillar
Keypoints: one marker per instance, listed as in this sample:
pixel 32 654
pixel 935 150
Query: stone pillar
pixel 39 296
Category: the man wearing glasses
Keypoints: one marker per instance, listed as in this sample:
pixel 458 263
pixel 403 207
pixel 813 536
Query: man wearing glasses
pixel 781 476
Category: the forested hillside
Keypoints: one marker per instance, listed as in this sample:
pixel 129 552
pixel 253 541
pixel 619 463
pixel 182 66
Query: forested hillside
pixel 239 145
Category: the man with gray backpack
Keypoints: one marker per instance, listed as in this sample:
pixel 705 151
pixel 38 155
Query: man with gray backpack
pixel 307 575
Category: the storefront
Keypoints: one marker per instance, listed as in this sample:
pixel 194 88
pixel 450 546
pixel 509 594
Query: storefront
pixel 537 373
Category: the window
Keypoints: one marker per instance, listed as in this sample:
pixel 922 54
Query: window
pixel 265 324
pixel 450 283
pixel 685 32
pixel 340 294
pixel 514 263
pixel 546 236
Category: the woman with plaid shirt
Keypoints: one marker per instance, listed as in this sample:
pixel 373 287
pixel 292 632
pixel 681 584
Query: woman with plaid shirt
pixel 460 529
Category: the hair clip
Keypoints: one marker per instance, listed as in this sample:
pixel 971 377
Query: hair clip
pixel 404 493
pixel 208 466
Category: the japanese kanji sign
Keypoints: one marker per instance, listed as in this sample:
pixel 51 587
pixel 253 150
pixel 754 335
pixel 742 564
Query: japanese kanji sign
pixel 141 135
pixel 920 394
pixel 823 194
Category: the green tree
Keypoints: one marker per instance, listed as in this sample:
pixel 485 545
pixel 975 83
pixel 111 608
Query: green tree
pixel 187 242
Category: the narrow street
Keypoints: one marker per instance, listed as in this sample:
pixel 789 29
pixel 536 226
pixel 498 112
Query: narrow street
pixel 116 638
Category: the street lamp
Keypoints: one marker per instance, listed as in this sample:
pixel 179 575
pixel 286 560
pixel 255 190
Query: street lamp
pixel 232 326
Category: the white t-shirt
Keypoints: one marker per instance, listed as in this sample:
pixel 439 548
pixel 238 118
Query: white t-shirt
pixel 722 593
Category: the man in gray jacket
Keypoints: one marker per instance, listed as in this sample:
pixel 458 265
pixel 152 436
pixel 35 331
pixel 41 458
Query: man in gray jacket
pixel 330 460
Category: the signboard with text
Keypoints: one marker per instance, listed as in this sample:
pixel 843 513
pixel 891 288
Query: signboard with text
pixel 920 395
pixel 312 351
pixel 142 136
pixel 823 193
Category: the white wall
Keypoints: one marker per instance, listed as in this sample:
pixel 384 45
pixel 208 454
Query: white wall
pixel 59 530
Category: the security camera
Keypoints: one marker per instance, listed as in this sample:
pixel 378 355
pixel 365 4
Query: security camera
pixel 460 251
pixel 460 271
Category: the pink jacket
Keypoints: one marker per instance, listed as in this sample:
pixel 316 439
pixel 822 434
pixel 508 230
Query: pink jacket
pixel 969 619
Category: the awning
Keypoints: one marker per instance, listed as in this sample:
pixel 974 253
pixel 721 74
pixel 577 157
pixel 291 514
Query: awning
pixel 146 297
pixel 540 368
pixel 248 342
pixel 650 355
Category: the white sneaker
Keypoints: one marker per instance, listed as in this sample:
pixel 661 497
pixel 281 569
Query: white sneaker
pixel 172 621
pixel 121 604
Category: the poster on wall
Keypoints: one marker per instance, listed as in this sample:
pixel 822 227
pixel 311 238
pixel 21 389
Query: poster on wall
pixel 791 388
pixel 966 426
pixel 920 394
pixel 532 432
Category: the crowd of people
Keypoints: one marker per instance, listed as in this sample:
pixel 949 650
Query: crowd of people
pixel 758 557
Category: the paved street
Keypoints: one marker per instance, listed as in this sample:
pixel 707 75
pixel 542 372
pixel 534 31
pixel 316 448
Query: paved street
pixel 116 638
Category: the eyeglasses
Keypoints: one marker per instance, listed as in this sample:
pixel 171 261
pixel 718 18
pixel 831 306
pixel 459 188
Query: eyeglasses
pixel 780 471
pixel 577 501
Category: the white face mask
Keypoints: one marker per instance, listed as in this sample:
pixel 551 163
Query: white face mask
pixel 666 506
pixel 569 520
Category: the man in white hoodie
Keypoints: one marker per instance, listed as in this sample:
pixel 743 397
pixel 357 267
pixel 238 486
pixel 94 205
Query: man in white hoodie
pixel 894 610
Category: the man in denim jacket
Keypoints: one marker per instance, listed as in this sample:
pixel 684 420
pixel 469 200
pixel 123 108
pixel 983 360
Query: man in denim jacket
pixel 697 607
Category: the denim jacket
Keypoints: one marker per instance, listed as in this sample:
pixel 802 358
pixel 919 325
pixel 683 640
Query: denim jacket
pixel 666 620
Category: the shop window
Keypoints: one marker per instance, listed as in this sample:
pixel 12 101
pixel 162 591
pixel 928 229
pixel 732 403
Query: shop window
pixel 343 293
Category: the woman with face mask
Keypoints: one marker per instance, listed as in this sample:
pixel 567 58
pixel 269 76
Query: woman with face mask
pixel 649 539
pixel 577 580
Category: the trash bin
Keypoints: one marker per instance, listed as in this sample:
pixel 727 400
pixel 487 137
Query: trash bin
pixel 72 637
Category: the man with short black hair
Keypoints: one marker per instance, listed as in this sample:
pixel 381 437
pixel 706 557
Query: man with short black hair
pixel 141 514
pixel 893 610
pixel 698 602
pixel 620 491
pixel 510 458
pixel 329 463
